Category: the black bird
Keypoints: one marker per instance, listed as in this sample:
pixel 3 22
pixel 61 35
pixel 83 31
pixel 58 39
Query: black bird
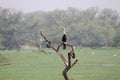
pixel 64 38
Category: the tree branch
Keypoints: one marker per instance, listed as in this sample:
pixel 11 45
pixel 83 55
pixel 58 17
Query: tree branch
pixel 55 49
pixel 71 54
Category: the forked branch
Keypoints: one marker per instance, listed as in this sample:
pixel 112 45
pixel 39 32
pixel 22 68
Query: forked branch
pixel 67 62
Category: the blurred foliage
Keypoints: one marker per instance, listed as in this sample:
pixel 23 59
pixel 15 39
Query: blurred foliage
pixel 91 27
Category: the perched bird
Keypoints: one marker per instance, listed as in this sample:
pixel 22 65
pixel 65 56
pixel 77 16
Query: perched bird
pixel 64 38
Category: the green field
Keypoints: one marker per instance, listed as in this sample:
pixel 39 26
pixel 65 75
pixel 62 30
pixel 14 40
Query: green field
pixel 93 64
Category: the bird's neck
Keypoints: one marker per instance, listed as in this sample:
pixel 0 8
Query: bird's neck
pixel 64 31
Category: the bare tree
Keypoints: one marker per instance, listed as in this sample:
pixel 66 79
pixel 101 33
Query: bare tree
pixel 67 62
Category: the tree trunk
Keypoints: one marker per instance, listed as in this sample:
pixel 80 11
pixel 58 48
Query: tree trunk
pixel 67 62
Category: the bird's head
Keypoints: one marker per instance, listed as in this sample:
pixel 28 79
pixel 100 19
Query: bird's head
pixel 64 31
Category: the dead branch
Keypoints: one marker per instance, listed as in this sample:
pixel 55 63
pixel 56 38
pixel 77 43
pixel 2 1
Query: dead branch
pixel 55 49
pixel 71 54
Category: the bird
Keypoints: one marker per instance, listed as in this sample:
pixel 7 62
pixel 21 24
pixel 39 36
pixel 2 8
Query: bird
pixel 64 38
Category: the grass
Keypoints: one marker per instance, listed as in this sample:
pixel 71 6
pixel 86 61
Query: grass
pixel 93 64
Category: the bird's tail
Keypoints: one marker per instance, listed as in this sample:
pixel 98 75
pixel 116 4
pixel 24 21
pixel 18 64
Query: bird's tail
pixel 64 46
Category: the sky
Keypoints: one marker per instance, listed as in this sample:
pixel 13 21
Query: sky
pixel 49 5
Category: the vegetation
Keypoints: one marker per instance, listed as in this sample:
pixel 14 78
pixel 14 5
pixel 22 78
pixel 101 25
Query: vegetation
pixel 91 27
pixel 94 64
